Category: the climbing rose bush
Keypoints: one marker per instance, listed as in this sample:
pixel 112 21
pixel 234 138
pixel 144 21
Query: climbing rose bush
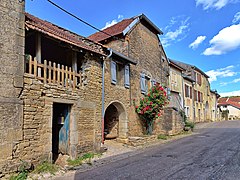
pixel 149 108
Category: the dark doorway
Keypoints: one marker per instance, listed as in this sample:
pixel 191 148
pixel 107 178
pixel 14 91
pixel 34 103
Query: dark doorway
pixel 111 122
pixel 60 129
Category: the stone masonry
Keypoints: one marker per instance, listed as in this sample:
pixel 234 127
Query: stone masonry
pixel 11 73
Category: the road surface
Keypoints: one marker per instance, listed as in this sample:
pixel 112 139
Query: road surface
pixel 211 153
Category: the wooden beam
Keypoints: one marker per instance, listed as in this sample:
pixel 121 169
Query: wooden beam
pixel 38 51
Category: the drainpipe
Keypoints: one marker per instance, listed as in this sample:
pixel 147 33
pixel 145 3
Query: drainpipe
pixel 103 94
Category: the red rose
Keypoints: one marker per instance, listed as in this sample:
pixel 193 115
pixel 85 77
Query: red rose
pixel 151 103
pixel 136 107
pixel 159 114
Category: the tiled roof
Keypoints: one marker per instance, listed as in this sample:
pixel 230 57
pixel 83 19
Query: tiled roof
pixel 62 34
pixel 113 30
pixel 120 27
pixel 233 101
pixel 186 67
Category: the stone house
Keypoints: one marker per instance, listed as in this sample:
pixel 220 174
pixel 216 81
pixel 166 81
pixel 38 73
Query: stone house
pixel 137 38
pixel 56 101
pixel 64 93
pixel 197 100
pixel 230 105
pixel 215 115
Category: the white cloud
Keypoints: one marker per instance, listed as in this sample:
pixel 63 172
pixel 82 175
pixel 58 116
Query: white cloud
pixel 226 40
pixel 214 4
pixel 230 82
pixel 232 93
pixel 197 41
pixel 178 33
pixel 222 72
pixel 236 17
pixel 114 21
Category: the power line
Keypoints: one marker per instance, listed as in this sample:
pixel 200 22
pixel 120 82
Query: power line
pixel 80 19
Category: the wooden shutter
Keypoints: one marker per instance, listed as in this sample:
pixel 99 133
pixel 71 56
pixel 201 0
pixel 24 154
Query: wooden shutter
pixel 186 89
pixel 190 92
pixel 199 96
pixel 127 75
pixel 143 83
pixel 113 72
pixel 195 95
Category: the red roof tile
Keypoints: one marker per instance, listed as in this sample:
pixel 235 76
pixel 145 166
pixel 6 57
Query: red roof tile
pixel 62 34
pixel 113 30
pixel 233 101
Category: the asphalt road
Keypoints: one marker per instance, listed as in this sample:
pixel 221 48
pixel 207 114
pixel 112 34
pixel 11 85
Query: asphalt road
pixel 211 153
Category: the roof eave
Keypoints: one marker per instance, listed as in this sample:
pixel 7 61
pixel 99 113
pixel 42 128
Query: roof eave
pixel 130 60
pixel 142 16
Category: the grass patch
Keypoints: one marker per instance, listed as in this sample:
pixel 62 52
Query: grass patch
pixel 81 159
pixel 46 167
pixel 21 176
pixel 162 136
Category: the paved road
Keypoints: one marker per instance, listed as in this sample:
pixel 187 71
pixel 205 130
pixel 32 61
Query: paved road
pixel 212 153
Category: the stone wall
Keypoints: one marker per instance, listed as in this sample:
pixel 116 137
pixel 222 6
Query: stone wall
pixel 11 73
pixel 35 144
pixel 172 122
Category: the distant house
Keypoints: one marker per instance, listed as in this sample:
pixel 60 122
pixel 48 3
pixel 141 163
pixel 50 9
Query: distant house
pixel 197 97
pixel 231 105
pixel 215 110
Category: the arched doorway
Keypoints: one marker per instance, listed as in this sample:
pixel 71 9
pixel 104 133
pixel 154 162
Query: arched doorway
pixel 115 121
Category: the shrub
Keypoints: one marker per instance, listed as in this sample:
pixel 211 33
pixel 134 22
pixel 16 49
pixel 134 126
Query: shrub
pixel 189 124
pixel 151 105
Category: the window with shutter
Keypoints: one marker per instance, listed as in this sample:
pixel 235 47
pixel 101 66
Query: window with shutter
pixel 143 83
pixel 195 95
pixel 127 76
pixel 113 72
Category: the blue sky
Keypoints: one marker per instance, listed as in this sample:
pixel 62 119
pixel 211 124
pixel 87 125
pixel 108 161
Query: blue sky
pixel 205 33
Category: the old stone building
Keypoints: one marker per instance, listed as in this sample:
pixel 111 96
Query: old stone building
pixel 137 38
pixel 62 93
pixel 198 102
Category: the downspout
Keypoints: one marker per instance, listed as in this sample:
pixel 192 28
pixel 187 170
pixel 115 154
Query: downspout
pixel 103 92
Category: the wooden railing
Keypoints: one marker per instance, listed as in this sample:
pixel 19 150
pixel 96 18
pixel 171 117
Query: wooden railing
pixel 49 72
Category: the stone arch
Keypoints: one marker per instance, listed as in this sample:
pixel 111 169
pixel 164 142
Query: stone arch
pixel 116 111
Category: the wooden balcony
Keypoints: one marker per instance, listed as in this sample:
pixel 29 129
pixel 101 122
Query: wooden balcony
pixel 50 72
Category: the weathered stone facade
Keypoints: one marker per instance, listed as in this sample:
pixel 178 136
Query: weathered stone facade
pixel 141 43
pixel 11 73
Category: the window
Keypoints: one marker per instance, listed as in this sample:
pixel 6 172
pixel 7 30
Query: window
pixel 144 83
pixel 198 79
pixel 120 74
pixel 186 108
pixel 188 91
pixel 199 96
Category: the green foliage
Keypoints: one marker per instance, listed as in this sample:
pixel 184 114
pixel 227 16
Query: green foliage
pixel 189 124
pixel 46 167
pixel 23 172
pixel 150 106
pixel 21 176
pixel 78 161
pixel 162 136
pixel 183 115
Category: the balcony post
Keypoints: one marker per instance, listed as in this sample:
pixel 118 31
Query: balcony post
pixel 38 51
